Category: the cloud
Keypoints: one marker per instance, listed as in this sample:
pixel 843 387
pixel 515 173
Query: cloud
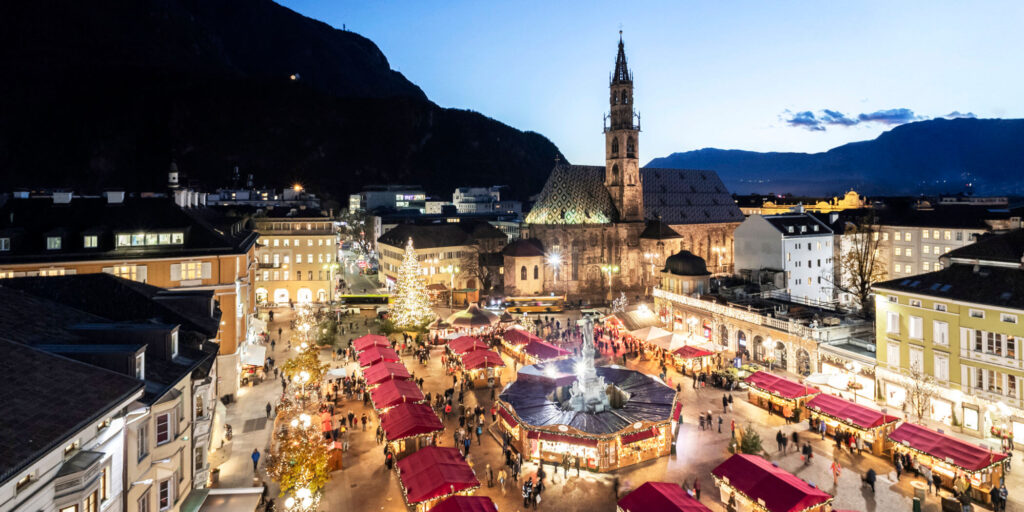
pixel 834 117
pixel 956 114
pixel 892 116
pixel 805 120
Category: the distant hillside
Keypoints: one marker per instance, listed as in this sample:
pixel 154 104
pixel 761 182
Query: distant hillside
pixel 106 94
pixel 939 155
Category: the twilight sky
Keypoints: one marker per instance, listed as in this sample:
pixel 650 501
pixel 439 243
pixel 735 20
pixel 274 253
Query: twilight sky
pixel 764 76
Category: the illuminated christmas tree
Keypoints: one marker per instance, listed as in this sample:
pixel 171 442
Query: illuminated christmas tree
pixel 411 305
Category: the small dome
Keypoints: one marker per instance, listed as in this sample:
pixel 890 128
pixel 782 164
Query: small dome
pixel 685 263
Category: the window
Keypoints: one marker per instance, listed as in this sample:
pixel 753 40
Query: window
pixel 940 333
pixel 909 252
pixel 298 275
pixel 994 345
pixel 979 378
pixel 940 307
pixel 925 266
pixel 979 341
pixel 885 237
pixel 892 354
pixel 266 275
pixel 1008 318
pixel 536 272
pixel 174 343
pixel 140 366
pixel 1011 347
pixel 277 275
pixel 277 242
pixel 916 331
pixel 906 236
pixel 191 270
pixel 164 238
pixel 924 234
pixel 198 458
pixel 177 238
pixel 52 243
pixel 896 236
pixel 151 238
pixel 898 251
pixel 138 239
pixel 298 258
pixel 977 313
pixel 90 241
pixel 166 494
pixel 287 259
pixel 287 242
pixel 1011 384
pixel 941 367
pixel 105 483
pixel 309 275
pixel 894 299
pixel 935 234
pixel 959 236
pixel 946 235
pixel 522 273
pixel 320 275
pixel 925 248
pixel 143 440
pixel 163 428
pixel 89 505
pixel 916 303
pixel 916 359
pixel 127 272
pixel 908 268
pixel 892 325
pixel 69 508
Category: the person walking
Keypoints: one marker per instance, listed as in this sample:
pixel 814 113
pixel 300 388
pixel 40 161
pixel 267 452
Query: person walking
pixel 1003 495
pixel 501 480
pixel 899 467
pixel 778 440
pixel 725 404
pixel 269 408
pixel 719 424
pixel 926 473
pixel 576 462
pixel 255 459
pixel 836 469
pixel 785 443
pixel 869 479
pixel 527 492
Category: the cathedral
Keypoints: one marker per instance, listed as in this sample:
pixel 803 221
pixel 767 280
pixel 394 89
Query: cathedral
pixel 613 226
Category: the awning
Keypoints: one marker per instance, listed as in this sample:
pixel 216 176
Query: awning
pixel 646 433
pixel 253 355
pixel 552 437
pixel 464 344
pixel 758 479
pixel 689 352
pixel 660 497
pixel 638 318
pixel 945 447
pixel 544 351
pixel 408 420
pixel 774 385
pixel 370 340
pixel 852 414
pixel 376 354
pixel 433 472
pixel 384 371
pixel 394 392
pixel 478 359
pixel 465 504
pixel 507 416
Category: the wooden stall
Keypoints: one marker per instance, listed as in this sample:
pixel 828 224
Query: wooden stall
pixel 434 474
pixel 752 483
pixel 778 395
pixel 871 426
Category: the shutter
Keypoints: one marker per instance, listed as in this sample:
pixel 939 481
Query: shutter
pixel 176 272
pixel 108 270
pixel 140 273
pixel 207 270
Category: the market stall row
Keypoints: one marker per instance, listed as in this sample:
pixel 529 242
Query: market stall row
pixel 778 395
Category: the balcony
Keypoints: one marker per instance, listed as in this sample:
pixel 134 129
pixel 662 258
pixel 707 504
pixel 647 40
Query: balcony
pixel 993 359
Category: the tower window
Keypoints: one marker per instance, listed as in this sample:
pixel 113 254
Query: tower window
pixel 630 148
pixel 615 173
pixel 625 99
pixel 615 98
pixel 615 147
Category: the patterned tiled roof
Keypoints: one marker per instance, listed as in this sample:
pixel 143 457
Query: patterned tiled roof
pixel 575 194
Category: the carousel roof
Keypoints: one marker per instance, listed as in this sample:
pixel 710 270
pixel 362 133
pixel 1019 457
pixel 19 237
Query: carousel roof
pixel 778 386
pixel 854 414
pixel 376 354
pixel 464 344
pixel 465 504
pixel 383 371
pixel 471 317
pixel 482 359
pixel 945 447
pixel 407 420
pixel 759 479
pixel 394 392
pixel 370 340
pixel 433 472
pixel 543 350
pixel 649 399
pixel 660 497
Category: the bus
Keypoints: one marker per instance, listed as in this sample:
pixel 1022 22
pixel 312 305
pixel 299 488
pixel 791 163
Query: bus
pixel 368 301
pixel 541 304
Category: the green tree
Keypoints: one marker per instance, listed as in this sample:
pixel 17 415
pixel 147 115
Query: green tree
pixel 750 440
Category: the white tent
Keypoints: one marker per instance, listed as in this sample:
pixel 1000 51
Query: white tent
pixel 649 333
pixel 254 355
pixel 835 380
pixel 670 341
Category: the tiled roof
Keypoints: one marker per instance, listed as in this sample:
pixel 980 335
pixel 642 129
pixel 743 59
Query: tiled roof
pixel 1006 248
pixel 47 398
pixel 575 194
pixel 426 236
pixel 524 248
pixel 991 286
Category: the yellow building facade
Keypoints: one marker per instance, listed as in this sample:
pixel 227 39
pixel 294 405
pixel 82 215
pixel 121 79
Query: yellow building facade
pixel 298 260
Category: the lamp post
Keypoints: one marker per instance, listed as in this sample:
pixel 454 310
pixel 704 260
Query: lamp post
pixel 555 260
pixel 330 268
pixel 610 269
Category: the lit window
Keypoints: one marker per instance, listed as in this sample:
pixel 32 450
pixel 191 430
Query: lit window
pixel 151 238
pixel 885 237
pixel 925 266
pixel 70 508
pixel 893 323
pixel 163 429
pixel 90 241
pixel 935 234
pixel 896 236
pixel 924 234
pixel 925 248
pixel 191 270
pixel 52 243
pixel 1008 318
pixel 266 275
pixel 915 303
pixel 910 251
pixel 89 505
pixel 129 272
pixel 124 240
pixel 940 307
pixel 105 483
pixel 177 238
pixel 287 242
pixel 907 237
pixel 977 313
pixel 164 238
pixel 899 251
pixel 276 242
pixel 309 243
pixel 947 235
pixel 138 239
pixel 166 494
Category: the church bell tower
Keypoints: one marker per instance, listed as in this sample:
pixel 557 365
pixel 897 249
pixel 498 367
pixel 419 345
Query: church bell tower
pixel 622 162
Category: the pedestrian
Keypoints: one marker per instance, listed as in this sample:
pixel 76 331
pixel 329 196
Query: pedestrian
pixel 719 424
pixel 527 492
pixel 796 440
pixel 479 432
pixel 615 487
pixel 466 443
pixel 1003 494
pixel 576 462
pixel 269 408
pixel 490 475
pixel 936 481
pixel 725 404
pixel 926 473
pixel 869 479
pixel 255 459
pixel 696 488
pixel 501 480
pixel 836 470
pixel 778 440
pixel 364 421
pixel 899 467
pixel 821 429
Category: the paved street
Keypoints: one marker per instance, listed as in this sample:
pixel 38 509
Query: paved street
pixel 365 484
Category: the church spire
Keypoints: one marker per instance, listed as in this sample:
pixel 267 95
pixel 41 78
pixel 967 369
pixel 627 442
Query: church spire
pixel 621 74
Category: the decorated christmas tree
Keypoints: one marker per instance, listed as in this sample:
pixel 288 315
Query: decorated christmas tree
pixel 411 305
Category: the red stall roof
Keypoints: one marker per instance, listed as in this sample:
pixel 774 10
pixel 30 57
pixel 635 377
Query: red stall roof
pixel 855 414
pixel 465 504
pixel 660 497
pixel 519 336
pixel 646 433
pixel 394 392
pixel 370 340
pixel 464 344
pixel 567 439
pixel 544 351
pixel 382 371
pixel 691 352
pixel 376 354
pixel 945 447
pixel 433 472
pixel 407 420
pixel 780 490
pixel 778 386
pixel 482 359
pixel 511 420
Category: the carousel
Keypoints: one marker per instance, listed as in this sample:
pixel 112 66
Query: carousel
pixel 471 319
pixel 603 417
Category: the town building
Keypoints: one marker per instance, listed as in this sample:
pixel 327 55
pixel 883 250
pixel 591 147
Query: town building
pixel 522 262
pixel 62 445
pixel 390 197
pixel 756 205
pixel 484 200
pixel 298 256
pixel 962 326
pixel 294 197
pixel 795 249
pixel 593 216
pixel 150 240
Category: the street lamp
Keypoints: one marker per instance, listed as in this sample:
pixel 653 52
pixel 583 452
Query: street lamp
pixel 555 260
pixel 610 269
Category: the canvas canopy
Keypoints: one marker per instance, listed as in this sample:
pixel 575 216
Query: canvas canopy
pixel 944 447
pixel 660 497
pixel 478 359
pixel 758 479
pixel 377 354
pixel 465 504
pixel 689 352
pixel 408 420
pixel 544 351
pixel 394 392
pixel 464 344
pixel 517 336
pixel 649 333
pixel 382 371
pixel 778 386
pixel 671 341
pixel 434 472
pixel 855 415
pixel 370 340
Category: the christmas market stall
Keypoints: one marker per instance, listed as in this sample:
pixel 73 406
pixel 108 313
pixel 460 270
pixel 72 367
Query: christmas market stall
pixel 778 395
pixel 537 351
pixel 362 343
pixel 483 366
pixel 755 484
pixel 693 359
pixel 871 426
pixel 465 344
pixel 394 392
pixel 377 354
pixel 433 474
pixel 956 461
pixel 409 427
pixel 606 417
pixel 514 338
pixel 660 497
pixel 465 504
pixel 383 371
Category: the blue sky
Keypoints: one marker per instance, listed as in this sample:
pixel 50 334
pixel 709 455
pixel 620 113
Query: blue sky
pixel 764 76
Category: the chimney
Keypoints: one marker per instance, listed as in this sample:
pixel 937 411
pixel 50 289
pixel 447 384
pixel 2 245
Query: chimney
pixel 62 197
pixel 114 196
pixel 172 176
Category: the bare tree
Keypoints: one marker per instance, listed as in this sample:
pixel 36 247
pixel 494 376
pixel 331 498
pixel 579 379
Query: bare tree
pixel 860 264
pixel 920 393
pixel 355 228
pixel 470 266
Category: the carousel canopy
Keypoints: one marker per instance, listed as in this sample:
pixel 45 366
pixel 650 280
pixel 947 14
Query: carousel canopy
pixel 518 336
pixel 944 447
pixel 394 392
pixel 370 340
pixel 660 497
pixel 464 344
pixel 465 504
pixel 383 371
pixel 438 324
pixel 433 472
pixel 407 420
pixel 778 386
pixel 543 350
pixel 649 333
pixel 483 358
pixel 506 318
pixel 780 490
pixel 376 354
pixel 855 414
pixel 688 352
pixel 472 317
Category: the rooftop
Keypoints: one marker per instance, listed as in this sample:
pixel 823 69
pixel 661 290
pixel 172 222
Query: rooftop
pixel 428 236
pixel 1003 248
pixel 798 224
pixel 990 286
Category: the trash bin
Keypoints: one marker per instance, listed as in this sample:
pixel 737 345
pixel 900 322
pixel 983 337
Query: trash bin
pixel 920 490
pixel 215 476
pixel 917 504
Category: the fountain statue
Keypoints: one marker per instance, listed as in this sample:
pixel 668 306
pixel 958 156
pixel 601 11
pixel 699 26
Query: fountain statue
pixel 589 392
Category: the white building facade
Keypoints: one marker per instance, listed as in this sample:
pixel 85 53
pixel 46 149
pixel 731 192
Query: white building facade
pixel 798 244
